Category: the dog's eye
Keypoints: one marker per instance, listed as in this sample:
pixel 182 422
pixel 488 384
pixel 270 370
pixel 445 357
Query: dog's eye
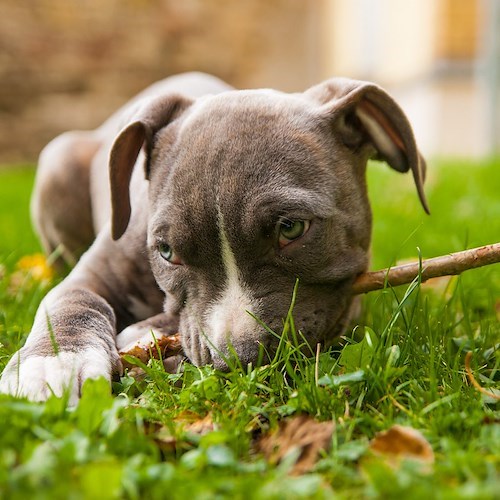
pixel 290 230
pixel 168 254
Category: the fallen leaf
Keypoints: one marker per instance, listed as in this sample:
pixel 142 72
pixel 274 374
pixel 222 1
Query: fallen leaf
pixel 201 426
pixel 165 346
pixel 301 435
pixel 401 442
pixel 189 424
pixel 488 420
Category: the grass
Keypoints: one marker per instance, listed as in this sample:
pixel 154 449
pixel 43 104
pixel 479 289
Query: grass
pixel 403 364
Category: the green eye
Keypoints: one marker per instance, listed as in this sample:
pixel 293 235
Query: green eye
pixel 165 251
pixel 290 230
pixel 168 254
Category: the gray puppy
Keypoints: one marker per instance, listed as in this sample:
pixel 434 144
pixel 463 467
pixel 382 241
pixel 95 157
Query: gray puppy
pixel 214 203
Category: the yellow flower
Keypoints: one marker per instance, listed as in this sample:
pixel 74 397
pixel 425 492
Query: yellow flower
pixel 36 265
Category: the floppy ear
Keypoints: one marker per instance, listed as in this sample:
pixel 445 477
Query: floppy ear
pixel 361 112
pixel 155 114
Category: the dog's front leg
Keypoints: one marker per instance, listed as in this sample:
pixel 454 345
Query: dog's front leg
pixel 74 333
pixel 72 339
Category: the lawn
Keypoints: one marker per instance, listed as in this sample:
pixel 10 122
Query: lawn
pixel 205 434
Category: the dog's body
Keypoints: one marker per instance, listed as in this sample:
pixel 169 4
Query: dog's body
pixel 241 194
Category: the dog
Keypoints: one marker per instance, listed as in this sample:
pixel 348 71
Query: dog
pixel 195 209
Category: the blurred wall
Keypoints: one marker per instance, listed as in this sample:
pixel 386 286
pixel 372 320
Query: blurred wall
pixel 439 58
pixel 389 41
pixel 69 63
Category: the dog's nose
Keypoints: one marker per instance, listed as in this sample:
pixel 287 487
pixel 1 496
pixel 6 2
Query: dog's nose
pixel 233 330
pixel 255 350
pixel 229 362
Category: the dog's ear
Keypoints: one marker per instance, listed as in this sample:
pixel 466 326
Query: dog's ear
pixel 362 111
pixel 153 115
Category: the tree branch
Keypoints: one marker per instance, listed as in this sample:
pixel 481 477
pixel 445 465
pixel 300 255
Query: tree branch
pixel 447 265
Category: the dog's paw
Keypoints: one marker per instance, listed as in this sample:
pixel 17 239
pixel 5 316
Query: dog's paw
pixel 37 377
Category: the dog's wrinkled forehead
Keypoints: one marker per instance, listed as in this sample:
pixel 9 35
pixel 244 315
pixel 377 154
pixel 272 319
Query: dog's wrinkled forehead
pixel 245 148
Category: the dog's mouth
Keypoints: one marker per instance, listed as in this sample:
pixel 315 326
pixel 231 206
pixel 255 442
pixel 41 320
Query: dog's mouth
pixel 200 350
pixel 238 339
pixel 225 352
pixel 255 350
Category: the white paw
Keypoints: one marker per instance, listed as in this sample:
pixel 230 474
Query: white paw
pixel 37 377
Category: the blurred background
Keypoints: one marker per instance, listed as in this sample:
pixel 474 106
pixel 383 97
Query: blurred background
pixel 67 64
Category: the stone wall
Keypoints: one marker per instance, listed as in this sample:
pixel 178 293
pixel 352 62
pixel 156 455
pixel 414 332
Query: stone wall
pixel 67 64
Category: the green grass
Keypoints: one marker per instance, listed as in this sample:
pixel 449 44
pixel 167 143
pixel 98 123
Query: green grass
pixel 17 237
pixel 412 373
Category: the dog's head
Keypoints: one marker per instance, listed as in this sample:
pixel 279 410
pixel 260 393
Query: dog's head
pixel 253 190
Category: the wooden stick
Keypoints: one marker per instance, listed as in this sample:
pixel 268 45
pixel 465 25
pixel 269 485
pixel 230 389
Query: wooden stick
pixel 454 263
pixel 447 265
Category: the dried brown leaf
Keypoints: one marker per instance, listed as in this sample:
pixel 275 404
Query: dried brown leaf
pixel 302 434
pixel 189 424
pixel 201 426
pixel 401 442
pixel 165 346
